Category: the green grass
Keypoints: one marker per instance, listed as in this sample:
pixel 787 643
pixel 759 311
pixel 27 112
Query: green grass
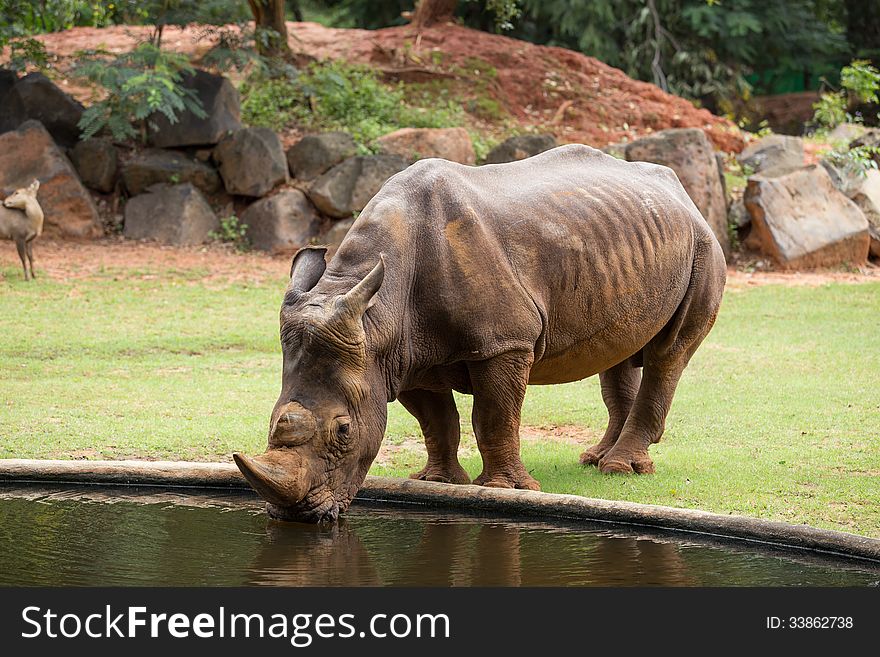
pixel 778 415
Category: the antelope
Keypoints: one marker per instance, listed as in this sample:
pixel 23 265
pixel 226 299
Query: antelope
pixel 21 220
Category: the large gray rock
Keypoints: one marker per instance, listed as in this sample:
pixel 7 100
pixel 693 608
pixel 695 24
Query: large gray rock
pixel 801 220
pixel 171 214
pixel 251 161
pixel 349 186
pixel 779 152
pixel 36 97
pixel 155 165
pixel 689 153
pixel 220 101
pixel 413 144
pixel 519 148
pixel 282 223
pixel 866 195
pixel 29 152
pixel 96 163
pixel 334 236
pixel 314 154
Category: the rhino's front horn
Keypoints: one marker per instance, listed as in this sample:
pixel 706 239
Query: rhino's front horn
pixel 276 476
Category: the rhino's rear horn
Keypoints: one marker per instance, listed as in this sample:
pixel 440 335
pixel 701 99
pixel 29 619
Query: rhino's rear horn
pixel 360 297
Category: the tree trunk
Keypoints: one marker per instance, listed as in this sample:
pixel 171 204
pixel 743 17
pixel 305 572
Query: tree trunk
pixel 431 12
pixel 269 16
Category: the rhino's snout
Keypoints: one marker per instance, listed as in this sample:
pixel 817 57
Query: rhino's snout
pixel 277 476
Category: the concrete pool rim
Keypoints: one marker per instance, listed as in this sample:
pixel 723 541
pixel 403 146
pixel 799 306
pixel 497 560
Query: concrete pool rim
pixel 474 499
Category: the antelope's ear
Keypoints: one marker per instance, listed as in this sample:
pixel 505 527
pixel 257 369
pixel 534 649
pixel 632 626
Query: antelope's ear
pixel 34 186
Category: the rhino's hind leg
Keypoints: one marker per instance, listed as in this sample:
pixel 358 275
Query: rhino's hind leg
pixel 438 418
pixel 499 386
pixel 665 358
pixel 620 384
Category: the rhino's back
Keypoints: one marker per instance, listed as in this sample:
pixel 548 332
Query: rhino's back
pixel 580 254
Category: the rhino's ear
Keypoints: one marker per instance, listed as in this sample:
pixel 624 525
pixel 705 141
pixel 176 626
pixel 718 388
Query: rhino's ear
pixel 307 268
pixel 362 295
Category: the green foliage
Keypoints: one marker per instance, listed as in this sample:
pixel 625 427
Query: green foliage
pixel 338 95
pixel 25 52
pixel 855 161
pixel 232 231
pixel 861 79
pixel 139 83
pixel 860 82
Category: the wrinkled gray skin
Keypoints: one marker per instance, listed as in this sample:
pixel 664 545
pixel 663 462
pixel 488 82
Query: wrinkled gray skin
pixel 547 270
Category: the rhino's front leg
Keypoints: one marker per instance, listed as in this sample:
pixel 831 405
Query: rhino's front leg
pixel 499 386
pixel 438 418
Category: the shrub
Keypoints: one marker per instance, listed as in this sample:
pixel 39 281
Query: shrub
pixel 860 81
pixel 232 231
pixel 139 83
pixel 337 95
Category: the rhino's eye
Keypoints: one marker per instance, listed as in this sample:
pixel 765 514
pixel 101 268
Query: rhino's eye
pixel 343 428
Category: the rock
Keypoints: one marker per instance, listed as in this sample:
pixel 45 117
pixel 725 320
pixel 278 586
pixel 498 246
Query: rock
pixel 617 150
pixel 846 132
pixel 171 214
pixel 333 237
pixel 737 215
pixel 413 144
pixel 349 186
pixel 282 223
pixel 773 152
pixel 155 165
pixel 519 148
pixel 314 154
pixel 801 220
pixel 7 81
pixel 251 161
pixel 36 97
pixel 29 152
pixel 866 195
pixel 689 153
pixel 220 101
pixel 96 162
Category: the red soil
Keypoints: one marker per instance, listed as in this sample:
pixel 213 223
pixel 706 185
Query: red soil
pixel 576 97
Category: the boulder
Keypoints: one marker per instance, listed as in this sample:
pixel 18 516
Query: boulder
pixel 349 186
pixel 29 152
pixel 154 165
pixel 846 132
pixel 314 154
pixel 773 152
pixel 519 148
pixel 282 223
pixel 220 101
pixel 689 153
pixel 96 162
pixel 7 81
pixel 334 236
pixel 452 144
pixel 251 161
pixel 801 220
pixel 36 97
pixel 171 214
pixel 866 195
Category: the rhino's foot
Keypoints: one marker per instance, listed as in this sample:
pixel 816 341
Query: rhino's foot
pixel 452 474
pixel 517 479
pixel 594 454
pixel 626 462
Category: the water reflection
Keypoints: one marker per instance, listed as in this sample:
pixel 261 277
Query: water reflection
pixel 69 537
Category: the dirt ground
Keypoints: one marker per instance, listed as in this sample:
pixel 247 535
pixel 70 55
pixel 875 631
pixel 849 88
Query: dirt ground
pixel 578 98
pixel 63 260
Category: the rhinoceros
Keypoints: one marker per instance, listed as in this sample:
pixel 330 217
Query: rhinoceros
pixel 484 280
